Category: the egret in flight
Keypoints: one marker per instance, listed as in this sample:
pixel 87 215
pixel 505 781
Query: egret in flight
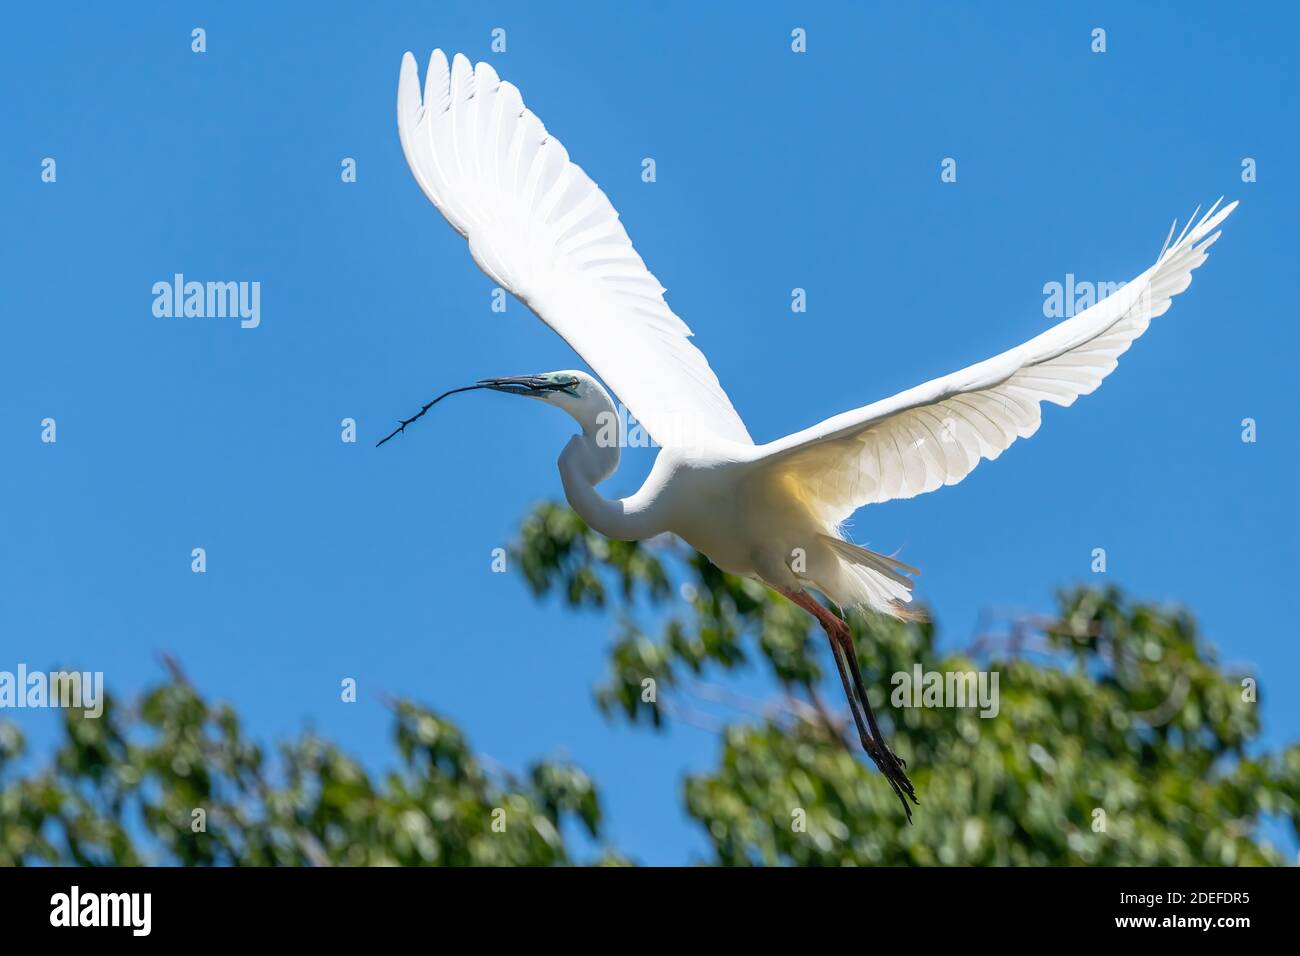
pixel 539 227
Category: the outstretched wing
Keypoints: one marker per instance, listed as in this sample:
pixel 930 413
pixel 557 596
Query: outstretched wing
pixel 935 434
pixel 539 227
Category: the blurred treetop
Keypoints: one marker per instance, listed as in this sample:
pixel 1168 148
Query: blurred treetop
pixel 1118 738
pixel 175 780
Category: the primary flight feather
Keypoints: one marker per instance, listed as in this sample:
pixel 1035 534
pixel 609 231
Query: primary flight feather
pixel 540 228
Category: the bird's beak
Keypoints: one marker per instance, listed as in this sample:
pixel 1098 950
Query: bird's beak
pixel 533 385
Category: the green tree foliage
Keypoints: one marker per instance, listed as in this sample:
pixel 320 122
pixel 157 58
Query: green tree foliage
pixel 1119 739
pixel 176 781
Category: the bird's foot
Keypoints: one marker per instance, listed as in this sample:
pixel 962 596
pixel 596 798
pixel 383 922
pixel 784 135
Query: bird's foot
pixel 892 767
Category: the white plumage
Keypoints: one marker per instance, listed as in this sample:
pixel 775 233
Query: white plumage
pixel 935 434
pixel 539 227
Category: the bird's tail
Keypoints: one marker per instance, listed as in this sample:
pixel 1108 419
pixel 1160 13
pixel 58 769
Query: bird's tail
pixel 874 580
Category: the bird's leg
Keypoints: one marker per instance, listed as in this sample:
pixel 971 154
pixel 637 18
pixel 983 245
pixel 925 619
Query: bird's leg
pixel 846 661
pixel 889 763
pixel 847 635
pixel 868 743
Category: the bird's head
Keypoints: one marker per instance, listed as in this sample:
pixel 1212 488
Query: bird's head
pixel 577 393
pixel 573 391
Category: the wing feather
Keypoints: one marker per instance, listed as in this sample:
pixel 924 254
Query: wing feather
pixel 542 229
pixel 935 434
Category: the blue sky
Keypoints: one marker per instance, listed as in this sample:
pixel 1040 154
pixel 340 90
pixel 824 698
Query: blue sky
pixel 774 171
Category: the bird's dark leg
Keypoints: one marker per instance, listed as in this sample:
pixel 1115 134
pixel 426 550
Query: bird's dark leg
pixel 889 763
pixel 846 660
pixel 866 703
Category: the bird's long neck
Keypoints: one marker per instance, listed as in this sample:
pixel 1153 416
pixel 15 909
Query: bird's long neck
pixel 591 457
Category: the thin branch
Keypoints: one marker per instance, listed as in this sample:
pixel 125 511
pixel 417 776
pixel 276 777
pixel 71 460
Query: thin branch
pixel 174 670
pixel 694 718
pixel 834 727
pixel 401 427
pixel 721 695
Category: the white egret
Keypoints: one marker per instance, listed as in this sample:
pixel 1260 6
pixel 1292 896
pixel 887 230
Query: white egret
pixel 539 227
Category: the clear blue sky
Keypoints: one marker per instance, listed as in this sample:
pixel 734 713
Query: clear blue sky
pixel 775 171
